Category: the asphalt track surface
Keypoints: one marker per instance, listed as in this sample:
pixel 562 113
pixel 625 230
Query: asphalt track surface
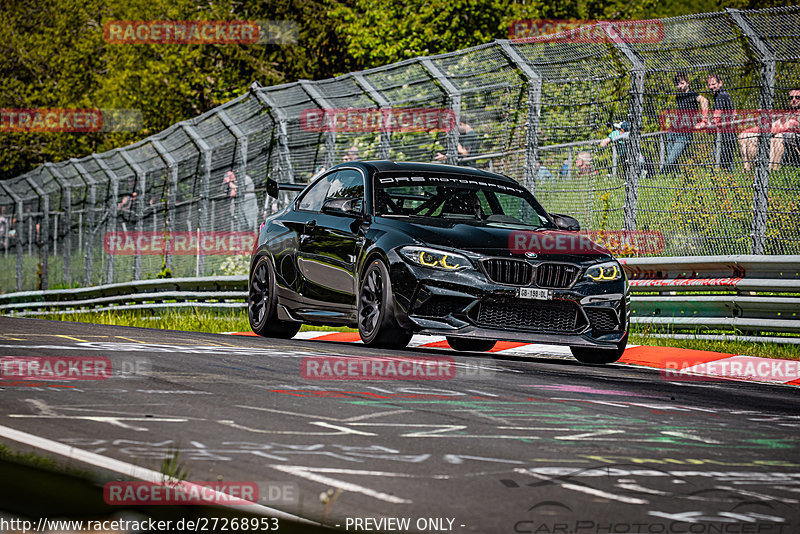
pixel 538 444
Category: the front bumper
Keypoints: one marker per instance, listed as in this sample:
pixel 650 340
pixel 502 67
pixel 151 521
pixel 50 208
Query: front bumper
pixel 468 304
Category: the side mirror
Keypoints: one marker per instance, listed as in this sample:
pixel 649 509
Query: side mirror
pixel 565 222
pixel 342 206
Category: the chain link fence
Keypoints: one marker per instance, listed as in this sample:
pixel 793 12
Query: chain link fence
pixel 536 110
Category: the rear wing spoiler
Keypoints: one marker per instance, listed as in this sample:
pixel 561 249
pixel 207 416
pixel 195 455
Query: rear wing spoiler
pixel 273 187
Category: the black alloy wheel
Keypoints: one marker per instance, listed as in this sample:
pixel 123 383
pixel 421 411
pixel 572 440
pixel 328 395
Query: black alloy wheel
pixel 262 304
pixel 376 322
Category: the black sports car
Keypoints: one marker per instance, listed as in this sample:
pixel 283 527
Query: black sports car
pixel 395 249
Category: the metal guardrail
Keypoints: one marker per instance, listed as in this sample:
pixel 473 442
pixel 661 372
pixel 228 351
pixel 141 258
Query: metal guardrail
pixel 750 294
pixel 206 292
pixel 744 294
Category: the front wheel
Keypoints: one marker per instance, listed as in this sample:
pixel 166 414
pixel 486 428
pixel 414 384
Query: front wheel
pixel 377 325
pixel 263 301
pixel 599 356
pixel 465 344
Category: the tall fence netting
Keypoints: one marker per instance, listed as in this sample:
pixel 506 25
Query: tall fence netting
pixel 587 124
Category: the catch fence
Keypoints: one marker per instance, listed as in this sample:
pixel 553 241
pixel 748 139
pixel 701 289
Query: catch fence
pixel 536 110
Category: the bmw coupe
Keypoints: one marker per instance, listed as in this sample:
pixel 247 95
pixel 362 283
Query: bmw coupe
pixel 395 249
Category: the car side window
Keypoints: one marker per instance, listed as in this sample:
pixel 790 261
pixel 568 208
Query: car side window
pixel 313 198
pixel 347 183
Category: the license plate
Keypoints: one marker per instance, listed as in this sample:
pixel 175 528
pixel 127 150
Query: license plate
pixel 531 293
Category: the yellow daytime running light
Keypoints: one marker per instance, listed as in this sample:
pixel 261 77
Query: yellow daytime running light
pixel 603 276
pixel 446 266
pixel 429 259
pixel 425 263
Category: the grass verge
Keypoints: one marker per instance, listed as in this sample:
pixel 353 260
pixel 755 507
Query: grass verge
pixel 199 320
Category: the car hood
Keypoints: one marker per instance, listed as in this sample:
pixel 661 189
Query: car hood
pixel 497 239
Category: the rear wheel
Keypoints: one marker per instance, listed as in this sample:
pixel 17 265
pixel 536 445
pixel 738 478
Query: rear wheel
pixel 263 302
pixel 377 325
pixel 465 344
pixel 599 356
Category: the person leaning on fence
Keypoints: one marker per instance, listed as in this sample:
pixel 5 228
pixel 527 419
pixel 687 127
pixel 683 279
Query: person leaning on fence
pixel 619 135
pixel 783 144
pixel 723 112
pixel 687 102
pixel 787 143
pixel 244 205
pixel 468 144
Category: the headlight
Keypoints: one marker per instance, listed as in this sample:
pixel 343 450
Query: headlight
pixel 435 259
pixel 605 272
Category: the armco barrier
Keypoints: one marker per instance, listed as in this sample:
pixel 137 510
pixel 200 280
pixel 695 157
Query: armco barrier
pixel 743 293
pixel 207 292
pixel 747 294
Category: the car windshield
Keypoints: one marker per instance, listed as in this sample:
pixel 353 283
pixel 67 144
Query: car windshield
pixel 459 198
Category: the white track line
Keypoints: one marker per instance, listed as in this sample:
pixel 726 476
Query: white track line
pixel 133 471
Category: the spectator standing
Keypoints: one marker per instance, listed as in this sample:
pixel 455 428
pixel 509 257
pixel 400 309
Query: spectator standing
pixel 723 112
pixel 787 143
pixel 468 144
pixel 243 203
pixel 687 102
pixel 784 132
pixel 3 228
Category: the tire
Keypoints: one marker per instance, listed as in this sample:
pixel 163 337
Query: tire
pixel 263 301
pixel 599 356
pixel 466 344
pixel 377 325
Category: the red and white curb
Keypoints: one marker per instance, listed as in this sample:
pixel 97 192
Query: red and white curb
pixel 675 364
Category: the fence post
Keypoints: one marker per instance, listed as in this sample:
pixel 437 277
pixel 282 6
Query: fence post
pixel 205 182
pixel 453 96
pixel 18 227
pixel 172 169
pixel 633 154
pixel 330 135
pixel 139 204
pixel 113 199
pixel 285 170
pixel 91 200
pixel 66 192
pixel 766 102
pixel 533 84
pixel 385 145
pixel 43 237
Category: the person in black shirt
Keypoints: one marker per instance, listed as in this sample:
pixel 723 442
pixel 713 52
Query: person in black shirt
pixel 468 144
pixel 687 103
pixel 723 104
